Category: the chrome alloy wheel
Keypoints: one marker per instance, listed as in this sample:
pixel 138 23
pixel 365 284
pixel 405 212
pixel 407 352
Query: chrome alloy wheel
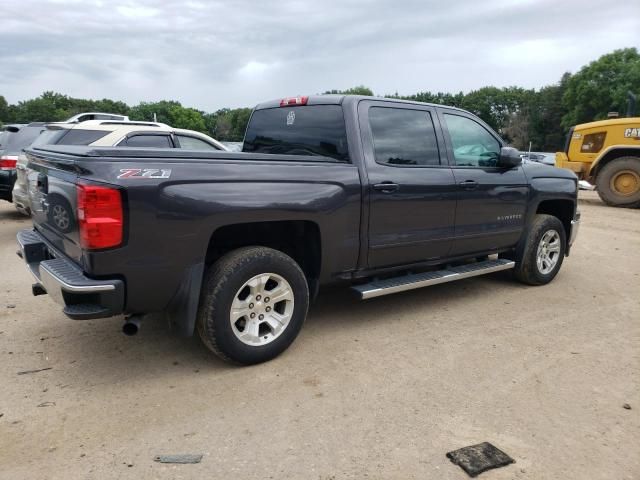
pixel 548 252
pixel 261 309
pixel 60 217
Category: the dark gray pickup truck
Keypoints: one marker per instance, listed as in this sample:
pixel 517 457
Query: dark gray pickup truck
pixel 382 194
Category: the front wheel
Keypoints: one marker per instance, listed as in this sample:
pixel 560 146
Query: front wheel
pixel 543 251
pixel 253 304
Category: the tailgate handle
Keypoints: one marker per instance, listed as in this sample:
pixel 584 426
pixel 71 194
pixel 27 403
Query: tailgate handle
pixel 386 187
pixel 43 183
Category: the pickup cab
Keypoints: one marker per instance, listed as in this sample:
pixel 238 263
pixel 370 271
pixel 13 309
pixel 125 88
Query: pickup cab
pixel 379 194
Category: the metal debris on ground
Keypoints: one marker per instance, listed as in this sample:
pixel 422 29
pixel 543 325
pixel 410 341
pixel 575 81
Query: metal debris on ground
pixel 479 458
pixel 35 371
pixel 626 406
pixel 47 404
pixel 185 458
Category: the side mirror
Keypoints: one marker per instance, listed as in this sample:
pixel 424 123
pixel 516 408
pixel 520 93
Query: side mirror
pixel 509 157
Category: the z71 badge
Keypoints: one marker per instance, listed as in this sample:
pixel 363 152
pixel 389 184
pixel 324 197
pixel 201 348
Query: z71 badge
pixel 144 173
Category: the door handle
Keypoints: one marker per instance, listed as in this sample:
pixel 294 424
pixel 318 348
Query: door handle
pixel 386 187
pixel 468 184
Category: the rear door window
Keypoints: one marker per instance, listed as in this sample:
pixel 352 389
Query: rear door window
pixel 403 137
pixel 192 143
pixel 147 141
pixel 303 130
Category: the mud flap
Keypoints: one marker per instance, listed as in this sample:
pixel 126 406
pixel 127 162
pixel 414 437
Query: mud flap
pixel 183 308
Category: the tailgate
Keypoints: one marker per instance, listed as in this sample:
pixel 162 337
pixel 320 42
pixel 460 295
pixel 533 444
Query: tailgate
pixel 52 193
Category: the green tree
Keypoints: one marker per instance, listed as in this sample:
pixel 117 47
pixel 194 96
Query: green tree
pixel 48 107
pixel 601 87
pixel 171 113
pixel 357 90
pixel 189 118
pixel 145 111
pixel 546 112
pixel 4 110
pixel 496 105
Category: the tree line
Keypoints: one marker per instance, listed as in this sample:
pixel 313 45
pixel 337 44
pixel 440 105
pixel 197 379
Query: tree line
pixel 540 116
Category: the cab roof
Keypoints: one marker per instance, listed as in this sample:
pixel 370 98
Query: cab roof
pixel 340 99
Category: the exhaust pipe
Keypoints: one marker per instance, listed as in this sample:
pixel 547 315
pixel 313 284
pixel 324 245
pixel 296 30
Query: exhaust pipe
pixel 131 325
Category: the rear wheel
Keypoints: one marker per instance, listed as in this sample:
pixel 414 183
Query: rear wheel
pixel 543 251
pixel 619 182
pixel 253 304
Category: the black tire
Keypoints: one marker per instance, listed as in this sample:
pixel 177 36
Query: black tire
pixel 221 285
pixel 605 182
pixel 527 270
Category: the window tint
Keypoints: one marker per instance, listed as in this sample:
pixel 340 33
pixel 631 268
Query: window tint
pixel 403 137
pixel 148 141
pixel 49 137
pixel 192 143
pixel 17 141
pixel 82 137
pixel 305 130
pixel 473 145
pixel 593 142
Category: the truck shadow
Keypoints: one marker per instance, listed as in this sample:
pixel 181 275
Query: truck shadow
pixel 11 214
pixel 97 353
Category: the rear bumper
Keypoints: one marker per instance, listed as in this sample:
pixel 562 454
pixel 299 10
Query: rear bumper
pixel 21 200
pixel 7 179
pixel 82 298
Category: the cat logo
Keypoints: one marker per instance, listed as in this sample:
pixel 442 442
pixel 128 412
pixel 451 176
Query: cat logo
pixel 291 117
pixel 632 132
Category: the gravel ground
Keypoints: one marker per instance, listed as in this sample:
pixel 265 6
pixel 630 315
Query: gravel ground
pixel 376 389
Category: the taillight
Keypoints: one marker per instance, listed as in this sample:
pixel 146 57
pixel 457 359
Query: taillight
pixel 293 101
pixel 8 162
pixel 100 217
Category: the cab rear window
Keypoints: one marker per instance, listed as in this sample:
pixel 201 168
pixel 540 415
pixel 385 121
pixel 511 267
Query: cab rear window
pixel 69 137
pixel 315 130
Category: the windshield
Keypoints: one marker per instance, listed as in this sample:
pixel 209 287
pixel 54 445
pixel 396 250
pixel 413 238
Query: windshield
pixel 304 130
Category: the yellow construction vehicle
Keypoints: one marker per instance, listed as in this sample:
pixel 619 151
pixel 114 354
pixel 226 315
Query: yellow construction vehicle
pixel 607 153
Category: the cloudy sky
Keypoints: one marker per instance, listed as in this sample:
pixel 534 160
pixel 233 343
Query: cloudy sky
pixel 213 54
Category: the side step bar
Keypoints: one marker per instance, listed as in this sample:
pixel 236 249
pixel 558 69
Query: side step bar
pixel 377 288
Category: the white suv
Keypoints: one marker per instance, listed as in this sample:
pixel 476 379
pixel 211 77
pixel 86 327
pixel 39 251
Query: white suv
pixel 109 133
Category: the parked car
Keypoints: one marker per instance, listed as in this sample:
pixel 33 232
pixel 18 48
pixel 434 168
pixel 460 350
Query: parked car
pixel 546 158
pixel 83 117
pixel 329 189
pixel 108 133
pixel 14 139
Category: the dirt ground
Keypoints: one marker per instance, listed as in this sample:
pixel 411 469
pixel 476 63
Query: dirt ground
pixel 380 389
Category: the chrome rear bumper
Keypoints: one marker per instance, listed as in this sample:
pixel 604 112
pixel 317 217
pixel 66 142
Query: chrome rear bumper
pixel 83 298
